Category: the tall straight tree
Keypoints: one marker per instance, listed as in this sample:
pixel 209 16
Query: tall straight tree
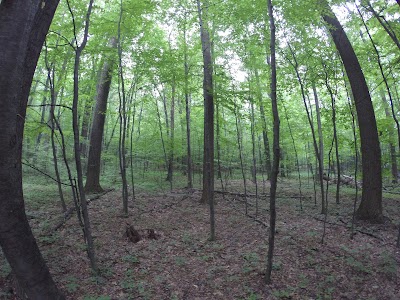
pixel 276 148
pixel 187 107
pixel 23 28
pixel 371 200
pixel 208 160
pixel 99 117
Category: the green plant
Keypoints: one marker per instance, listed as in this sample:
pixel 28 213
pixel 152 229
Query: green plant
pixel 72 284
pixel 284 293
pixel 180 261
pixel 252 260
pixel 357 265
pixel 97 298
pixel 303 281
pixel 5 269
pixel 388 264
pixel 49 239
pixel 277 265
pixel 253 296
pixel 187 238
pixel 130 259
pixel 128 284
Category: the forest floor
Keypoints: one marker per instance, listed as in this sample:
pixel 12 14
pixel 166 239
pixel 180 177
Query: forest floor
pixel 183 264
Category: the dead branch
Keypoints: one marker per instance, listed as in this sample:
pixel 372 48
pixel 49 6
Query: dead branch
pixel 68 212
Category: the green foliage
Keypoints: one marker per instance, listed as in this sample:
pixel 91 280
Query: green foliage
pixel 97 298
pixel 357 265
pixel 286 293
pixel 251 261
pixel 130 259
pixel 388 264
pixel 180 261
pixel 72 284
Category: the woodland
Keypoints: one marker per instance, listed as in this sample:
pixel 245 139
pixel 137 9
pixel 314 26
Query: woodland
pixel 199 149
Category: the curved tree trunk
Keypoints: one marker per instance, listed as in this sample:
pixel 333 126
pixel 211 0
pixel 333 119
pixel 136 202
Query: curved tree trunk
pixel 96 133
pixel 371 201
pixel 23 27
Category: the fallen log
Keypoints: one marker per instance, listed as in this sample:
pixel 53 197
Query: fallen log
pixel 344 180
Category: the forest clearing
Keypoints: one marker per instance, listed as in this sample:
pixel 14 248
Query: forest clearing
pixel 181 263
pixel 199 149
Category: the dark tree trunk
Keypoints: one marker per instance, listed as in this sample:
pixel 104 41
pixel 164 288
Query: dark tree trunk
pixel 239 134
pixel 23 27
pixel 392 147
pixel 276 149
pixel 96 133
pixel 208 162
pixel 172 136
pixel 122 118
pixel 335 137
pixel 187 110
pixel 371 201
pixel 264 127
pixel 319 124
pixel 77 146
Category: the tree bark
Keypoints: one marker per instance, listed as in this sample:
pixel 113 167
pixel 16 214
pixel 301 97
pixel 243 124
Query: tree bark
pixel 392 148
pixel 77 146
pixel 97 130
pixel 319 124
pixel 276 148
pixel 23 27
pixel 187 109
pixel 267 152
pixel 371 200
pixel 208 162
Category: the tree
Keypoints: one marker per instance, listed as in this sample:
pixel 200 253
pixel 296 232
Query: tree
pixel 208 162
pixel 75 126
pixel 276 148
pixel 23 28
pixel 371 201
pixel 96 133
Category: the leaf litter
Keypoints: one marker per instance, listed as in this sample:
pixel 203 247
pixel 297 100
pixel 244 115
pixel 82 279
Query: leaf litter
pixel 181 263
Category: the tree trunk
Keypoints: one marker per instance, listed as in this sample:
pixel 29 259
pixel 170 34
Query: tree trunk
pixel 240 143
pixel 392 147
pixel 319 161
pixel 267 153
pixel 171 137
pixel 379 60
pixel 77 146
pixel 371 200
pixel 23 27
pixel 208 163
pixel 187 109
pixel 276 149
pixel 319 124
pixel 335 138
pixel 122 118
pixel 96 133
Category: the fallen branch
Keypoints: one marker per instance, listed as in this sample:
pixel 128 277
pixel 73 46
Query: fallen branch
pixel 69 211
pixel 344 180
pixel 346 226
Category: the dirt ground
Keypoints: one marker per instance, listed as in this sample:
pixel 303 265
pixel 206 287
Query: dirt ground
pixel 183 264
